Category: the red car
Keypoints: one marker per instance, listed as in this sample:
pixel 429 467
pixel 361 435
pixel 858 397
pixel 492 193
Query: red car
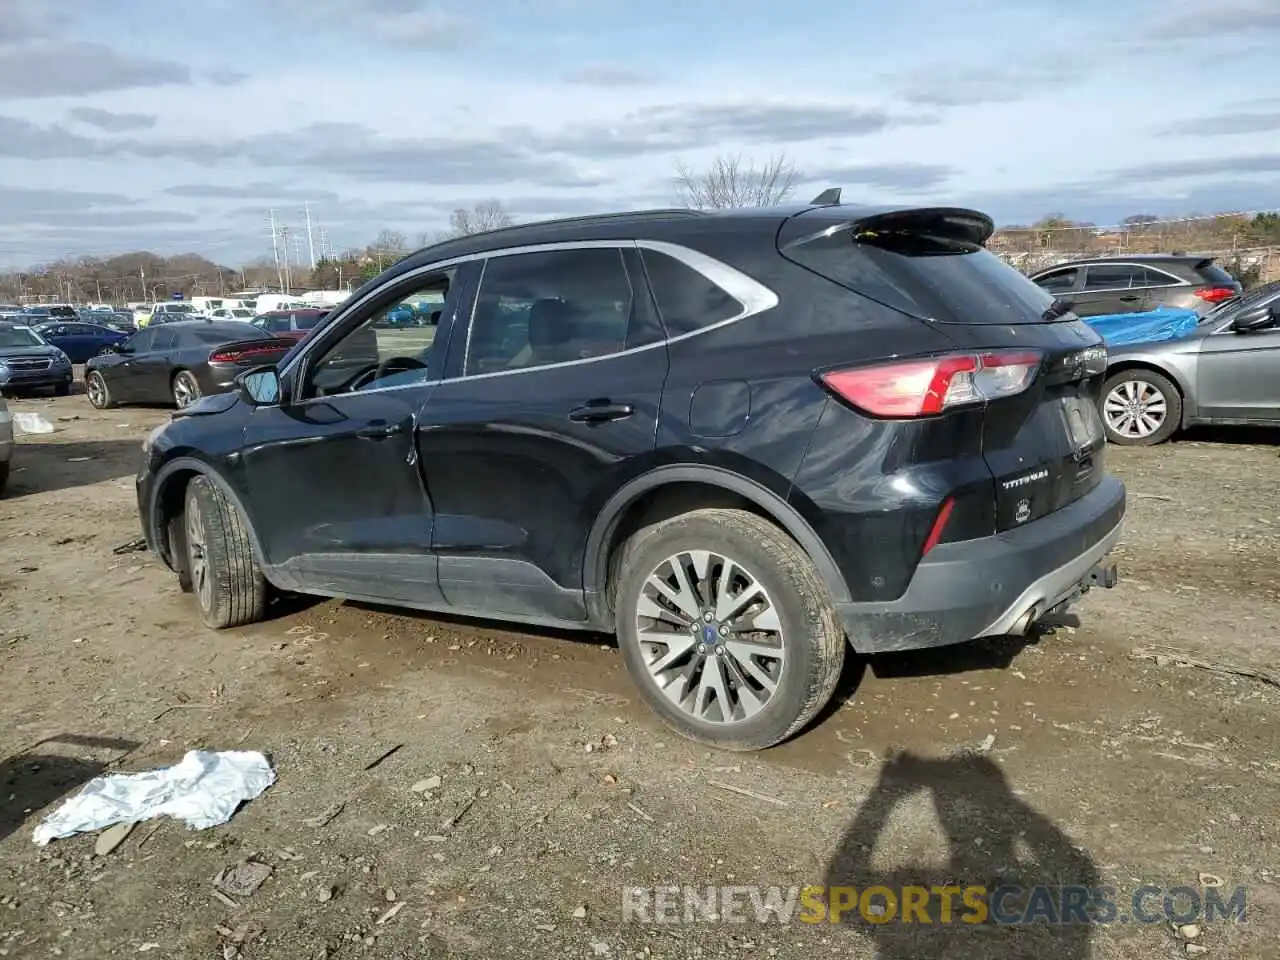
pixel 289 324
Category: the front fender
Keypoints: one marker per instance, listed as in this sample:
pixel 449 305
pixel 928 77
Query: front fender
pixel 164 501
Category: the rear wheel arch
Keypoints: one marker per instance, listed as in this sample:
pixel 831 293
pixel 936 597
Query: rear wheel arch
pixel 672 490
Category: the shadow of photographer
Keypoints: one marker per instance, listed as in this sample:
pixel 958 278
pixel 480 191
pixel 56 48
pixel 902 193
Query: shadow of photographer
pixel 999 849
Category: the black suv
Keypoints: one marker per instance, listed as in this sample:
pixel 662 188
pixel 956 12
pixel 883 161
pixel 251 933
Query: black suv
pixel 739 440
pixel 1110 285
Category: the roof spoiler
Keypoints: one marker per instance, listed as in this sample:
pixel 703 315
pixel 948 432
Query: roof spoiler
pixel 951 223
pixel 954 223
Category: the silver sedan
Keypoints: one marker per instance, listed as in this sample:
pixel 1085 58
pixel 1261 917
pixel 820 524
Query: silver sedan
pixel 1227 372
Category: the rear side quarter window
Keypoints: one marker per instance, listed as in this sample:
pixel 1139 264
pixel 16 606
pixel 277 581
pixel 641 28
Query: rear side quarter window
pixel 686 300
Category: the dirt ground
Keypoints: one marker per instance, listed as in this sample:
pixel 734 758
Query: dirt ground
pixel 1066 759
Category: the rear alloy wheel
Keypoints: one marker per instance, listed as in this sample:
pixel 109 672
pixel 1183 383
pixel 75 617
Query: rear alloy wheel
pixel 95 386
pixel 1140 408
pixel 727 629
pixel 227 583
pixel 185 389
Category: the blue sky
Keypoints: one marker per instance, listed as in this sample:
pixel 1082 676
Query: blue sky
pixel 175 126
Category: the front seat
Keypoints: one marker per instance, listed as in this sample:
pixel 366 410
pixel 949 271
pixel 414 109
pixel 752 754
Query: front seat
pixel 550 331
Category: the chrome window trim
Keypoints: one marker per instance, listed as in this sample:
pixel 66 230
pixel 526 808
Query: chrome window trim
pixel 753 296
pixel 1175 281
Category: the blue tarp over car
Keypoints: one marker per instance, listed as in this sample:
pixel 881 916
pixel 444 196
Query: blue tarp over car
pixel 1163 323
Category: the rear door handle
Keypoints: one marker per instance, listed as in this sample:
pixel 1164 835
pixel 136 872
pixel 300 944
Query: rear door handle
pixel 379 431
pixel 1130 299
pixel 601 412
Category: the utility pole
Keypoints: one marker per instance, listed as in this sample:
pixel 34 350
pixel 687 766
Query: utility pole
pixel 275 250
pixel 287 282
pixel 311 247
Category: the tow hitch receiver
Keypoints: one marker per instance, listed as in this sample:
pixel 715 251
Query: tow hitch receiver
pixel 1104 575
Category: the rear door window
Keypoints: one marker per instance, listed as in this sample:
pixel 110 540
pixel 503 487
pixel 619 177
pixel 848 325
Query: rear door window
pixel 1110 276
pixel 1147 277
pixel 536 309
pixel 165 340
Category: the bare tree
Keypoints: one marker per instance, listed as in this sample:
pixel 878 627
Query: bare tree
pixel 388 247
pixel 729 182
pixel 485 215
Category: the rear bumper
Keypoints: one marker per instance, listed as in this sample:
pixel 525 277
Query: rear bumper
pixel 995 585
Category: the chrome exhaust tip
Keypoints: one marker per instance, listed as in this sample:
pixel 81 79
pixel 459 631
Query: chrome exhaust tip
pixel 1022 626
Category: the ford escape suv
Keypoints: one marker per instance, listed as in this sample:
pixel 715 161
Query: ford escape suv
pixel 742 441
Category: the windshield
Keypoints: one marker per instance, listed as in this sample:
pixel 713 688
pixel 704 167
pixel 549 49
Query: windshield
pixel 19 337
pixel 179 308
pixel 1227 311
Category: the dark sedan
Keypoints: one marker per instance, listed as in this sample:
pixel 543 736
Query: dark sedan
pixel 179 363
pixel 27 362
pixel 79 341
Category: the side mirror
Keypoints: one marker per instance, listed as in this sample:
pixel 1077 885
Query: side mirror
pixel 1256 318
pixel 119 348
pixel 259 387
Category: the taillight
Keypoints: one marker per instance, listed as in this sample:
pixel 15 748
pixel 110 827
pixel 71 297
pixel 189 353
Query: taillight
pixel 244 354
pixel 923 388
pixel 1215 294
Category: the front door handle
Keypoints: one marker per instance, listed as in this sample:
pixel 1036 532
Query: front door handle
pixel 1130 299
pixel 601 411
pixel 379 431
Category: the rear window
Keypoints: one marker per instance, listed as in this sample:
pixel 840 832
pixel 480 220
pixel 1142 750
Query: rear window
pixel 930 277
pixel 306 319
pixel 215 334
pixel 1216 275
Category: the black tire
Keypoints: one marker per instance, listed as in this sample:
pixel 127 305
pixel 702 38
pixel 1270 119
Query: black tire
pixel 813 639
pixel 184 380
pixel 95 385
pixel 236 591
pixel 4 475
pixel 62 390
pixel 1162 385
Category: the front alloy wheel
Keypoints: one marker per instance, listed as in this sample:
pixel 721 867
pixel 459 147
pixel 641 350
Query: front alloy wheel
pixel 96 389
